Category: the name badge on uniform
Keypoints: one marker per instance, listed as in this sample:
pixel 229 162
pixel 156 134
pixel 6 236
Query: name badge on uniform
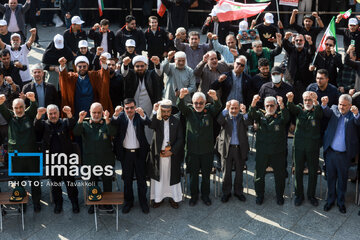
pixel 104 136
pixel 27 125
pixel 313 122
pixel 277 127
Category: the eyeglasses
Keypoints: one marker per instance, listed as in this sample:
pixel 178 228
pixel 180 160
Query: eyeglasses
pixel 199 103
pixel 299 40
pixel 129 108
pixel 242 65
pixel 269 105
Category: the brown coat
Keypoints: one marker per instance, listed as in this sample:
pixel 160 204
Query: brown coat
pixel 100 81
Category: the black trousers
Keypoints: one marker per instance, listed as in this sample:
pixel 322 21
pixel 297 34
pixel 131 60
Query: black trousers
pixel 233 159
pixel 134 161
pixel 70 187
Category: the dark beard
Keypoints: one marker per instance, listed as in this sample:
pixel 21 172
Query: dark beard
pixel 140 75
pixel 112 71
pixel 83 75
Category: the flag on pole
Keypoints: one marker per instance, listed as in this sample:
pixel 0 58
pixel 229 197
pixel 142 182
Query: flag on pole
pixel 227 10
pixel 160 8
pixel 101 7
pixel 346 14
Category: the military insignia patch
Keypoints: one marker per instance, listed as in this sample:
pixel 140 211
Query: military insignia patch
pixel 313 123
pixel 277 127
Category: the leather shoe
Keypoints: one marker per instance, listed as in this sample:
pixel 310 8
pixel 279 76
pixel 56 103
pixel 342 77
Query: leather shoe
pixel 58 208
pixel 127 207
pixel 342 208
pixel 155 204
pixel 280 201
pixel 298 200
pixel 145 208
pixel 328 206
pixel 91 209
pixel 193 202
pixel 314 201
pixel 173 204
pixel 37 207
pixel 241 197
pixel 225 198
pixel 75 207
pixel 206 200
pixel 259 200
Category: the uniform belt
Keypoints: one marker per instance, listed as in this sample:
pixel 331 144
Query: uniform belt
pixel 234 146
pixel 131 150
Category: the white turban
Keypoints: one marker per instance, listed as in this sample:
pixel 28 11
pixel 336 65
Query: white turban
pixel 80 59
pixel 166 103
pixel 180 54
pixel 140 58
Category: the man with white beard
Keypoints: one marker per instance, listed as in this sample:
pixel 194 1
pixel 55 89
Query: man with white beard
pixel 307 143
pixel 270 144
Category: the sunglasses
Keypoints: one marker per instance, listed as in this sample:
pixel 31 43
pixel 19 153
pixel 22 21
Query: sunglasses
pixel 299 40
pixel 129 108
pixel 199 103
pixel 242 65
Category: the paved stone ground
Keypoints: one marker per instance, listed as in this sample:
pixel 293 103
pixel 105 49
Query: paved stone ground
pixel 233 220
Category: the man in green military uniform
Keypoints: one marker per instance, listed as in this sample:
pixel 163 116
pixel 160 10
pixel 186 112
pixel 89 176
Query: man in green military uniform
pixel 270 144
pixel 22 138
pixel 96 138
pixel 199 140
pixel 307 142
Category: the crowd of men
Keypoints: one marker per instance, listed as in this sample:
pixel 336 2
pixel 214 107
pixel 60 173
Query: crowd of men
pixel 155 99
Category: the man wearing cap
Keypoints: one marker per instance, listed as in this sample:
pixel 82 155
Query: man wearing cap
pixel 14 15
pixel 199 146
pixel 55 135
pixel 20 52
pixel 96 134
pixel 4 33
pixel 233 146
pixel 308 27
pixel 166 156
pixel 144 85
pixel 179 76
pixel 22 138
pixel 55 50
pixel 104 38
pixel 129 31
pixel 130 52
pixel 74 34
pixel 45 93
pixel 267 30
pixel 270 144
pixel 84 51
pixel 258 51
pixel 81 88
pixel 300 55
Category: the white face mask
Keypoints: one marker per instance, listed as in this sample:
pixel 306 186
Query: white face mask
pixel 276 79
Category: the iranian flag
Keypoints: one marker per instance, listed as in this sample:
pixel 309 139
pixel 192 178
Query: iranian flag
pixel 160 8
pixel 346 14
pixel 227 10
pixel 330 31
pixel 101 7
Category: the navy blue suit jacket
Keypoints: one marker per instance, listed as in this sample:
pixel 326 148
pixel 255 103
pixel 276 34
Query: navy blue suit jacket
pixel 122 123
pixel 351 136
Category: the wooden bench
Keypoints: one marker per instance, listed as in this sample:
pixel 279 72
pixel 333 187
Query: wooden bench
pixel 4 199
pixel 108 198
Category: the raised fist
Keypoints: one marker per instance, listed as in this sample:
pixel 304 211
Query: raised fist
pixel 222 77
pixel 126 61
pixel 324 101
pixel 62 61
pixel 288 35
pixel 212 94
pixel 205 57
pixel 31 96
pixel 2 98
pixel 106 114
pixel 67 110
pixel 9 80
pixel 41 111
pixel 156 107
pixel 354 110
pixel 295 11
pixel 183 93
pixel 209 35
pixel 33 31
pixel 290 96
pixel 279 99
pixel 171 54
pixel 242 108
pixel 256 98
pixel 82 115
pixel 118 110
pixel 155 60
pixel 140 111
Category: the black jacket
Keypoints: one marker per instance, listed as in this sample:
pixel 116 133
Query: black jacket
pixel 116 89
pixel 51 95
pixel 331 63
pixel 52 55
pixel 97 37
pixel 224 28
pixel 14 73
pixel 157 43
pixel 122 35
pixel 176 140
pixel 71 6
pixel 177 14
pixel 71 40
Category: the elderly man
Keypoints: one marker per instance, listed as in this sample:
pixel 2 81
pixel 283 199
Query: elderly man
pixel 14 15
pixel 132 148
pixel 74 34
pixel 144 85
pixel 55 134
pixel 234 84
pixel 258 51
pixel 45 93
pixel 229 52
pixel 166 156
pixel 209 69
pixel 22 138
pixel 199 140
pixel 81 88
pixel 20 52
pixel 233 146
pixel 96 134
pixel 299 59
pixel 341 144
pixel 270 145
pixel 179 76
pixel 307 142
